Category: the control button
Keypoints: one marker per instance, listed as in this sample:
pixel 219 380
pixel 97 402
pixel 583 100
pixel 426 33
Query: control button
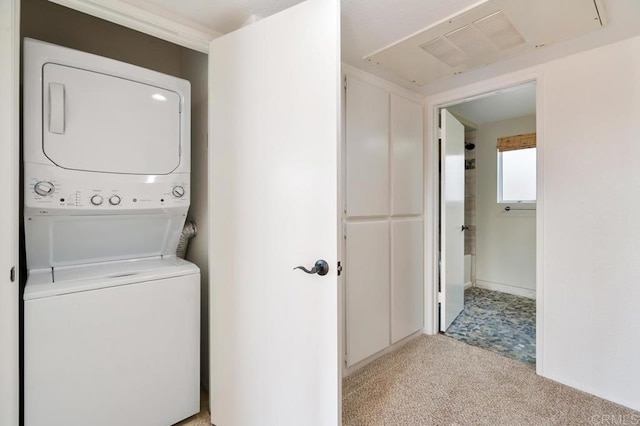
pixel 96 200
pixel 178 191
pixel 114 200
pixel 43 188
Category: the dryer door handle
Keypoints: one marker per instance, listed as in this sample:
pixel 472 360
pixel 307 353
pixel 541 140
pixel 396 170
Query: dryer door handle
pixel 56 108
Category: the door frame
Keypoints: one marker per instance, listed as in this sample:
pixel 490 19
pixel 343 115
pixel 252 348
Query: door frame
pixel 432 106
pixel 188 34
pixel 9 161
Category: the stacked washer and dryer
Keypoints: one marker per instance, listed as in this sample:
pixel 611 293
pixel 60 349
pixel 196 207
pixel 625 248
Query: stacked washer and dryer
pixel 111 315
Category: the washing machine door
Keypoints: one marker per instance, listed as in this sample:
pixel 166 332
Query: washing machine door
pixel 102 123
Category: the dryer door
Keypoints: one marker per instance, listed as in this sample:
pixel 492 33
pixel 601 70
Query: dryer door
pixel 98 122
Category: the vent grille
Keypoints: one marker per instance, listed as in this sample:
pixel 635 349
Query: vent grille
pixel 486 36
pixel 489 32
pixel 470 41
pixel 444 51
pixel 500 31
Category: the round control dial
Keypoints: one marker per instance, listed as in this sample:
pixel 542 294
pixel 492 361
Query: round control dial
pixel 96 200
pixel 178 191
pixel 114 200
pixel 43 188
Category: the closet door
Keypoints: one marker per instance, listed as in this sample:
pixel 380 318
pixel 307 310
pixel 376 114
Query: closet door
pixel 367 267
pixel 407 277
pixel 406 156
pixel 367 151
pixel 273 117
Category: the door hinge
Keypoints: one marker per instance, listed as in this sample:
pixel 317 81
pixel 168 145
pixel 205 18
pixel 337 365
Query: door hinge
pixel 440 297
pixel 12 274
pixel 345 82
pixel 339 268
pixel 344 230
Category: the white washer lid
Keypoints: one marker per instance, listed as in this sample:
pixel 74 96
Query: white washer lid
pixel 72 279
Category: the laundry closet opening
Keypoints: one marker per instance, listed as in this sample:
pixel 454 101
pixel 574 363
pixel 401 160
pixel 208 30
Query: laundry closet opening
pixel 488 237
pixel 52 23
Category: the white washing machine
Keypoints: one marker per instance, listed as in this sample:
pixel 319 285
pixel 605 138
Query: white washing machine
pixel 111 315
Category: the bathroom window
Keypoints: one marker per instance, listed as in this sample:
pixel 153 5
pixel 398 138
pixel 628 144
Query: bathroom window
pixel 517 169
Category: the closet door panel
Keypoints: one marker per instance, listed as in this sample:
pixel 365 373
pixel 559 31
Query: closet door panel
pixel 406 155
pixel 407 278
pixel 367 149
pixel 367 282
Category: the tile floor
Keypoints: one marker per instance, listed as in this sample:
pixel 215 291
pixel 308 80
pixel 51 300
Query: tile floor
pixel 500 322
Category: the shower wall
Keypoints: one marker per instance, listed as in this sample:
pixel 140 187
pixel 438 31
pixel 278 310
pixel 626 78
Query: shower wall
pixel 470 207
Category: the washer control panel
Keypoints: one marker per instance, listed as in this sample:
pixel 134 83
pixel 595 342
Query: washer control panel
pixel 47 192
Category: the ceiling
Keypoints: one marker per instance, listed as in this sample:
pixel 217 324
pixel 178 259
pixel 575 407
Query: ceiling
pixel 512 103
pixel 219 15
pixel 371 25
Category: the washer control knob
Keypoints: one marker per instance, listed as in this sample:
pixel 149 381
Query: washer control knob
pixel 114 200
pixel 43 188
pixel 96 200
pixel 178 191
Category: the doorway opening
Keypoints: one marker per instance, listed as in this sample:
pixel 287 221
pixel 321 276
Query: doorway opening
pixel 487 277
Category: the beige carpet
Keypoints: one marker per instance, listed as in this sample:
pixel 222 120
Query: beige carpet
pixel 436 380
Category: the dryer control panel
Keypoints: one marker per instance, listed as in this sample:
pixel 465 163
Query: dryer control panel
pixel 47 189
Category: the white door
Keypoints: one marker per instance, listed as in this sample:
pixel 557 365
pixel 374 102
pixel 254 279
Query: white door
pixel 451 219
pixel 274 125
pixel 9 83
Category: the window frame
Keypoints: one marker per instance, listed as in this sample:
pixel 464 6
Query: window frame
pixel 501 199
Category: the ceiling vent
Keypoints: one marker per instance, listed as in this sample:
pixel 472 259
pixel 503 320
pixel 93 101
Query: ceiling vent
pixel 493 31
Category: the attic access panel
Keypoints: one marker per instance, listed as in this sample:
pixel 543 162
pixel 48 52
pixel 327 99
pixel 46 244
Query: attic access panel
pixel 488 33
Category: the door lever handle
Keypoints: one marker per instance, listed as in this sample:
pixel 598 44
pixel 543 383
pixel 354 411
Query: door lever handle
pixel 321 268
pixel 465 228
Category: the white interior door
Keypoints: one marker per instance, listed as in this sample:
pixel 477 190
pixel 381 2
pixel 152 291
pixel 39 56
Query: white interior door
pixel 451 219
pixel 274 125
pixel 9 83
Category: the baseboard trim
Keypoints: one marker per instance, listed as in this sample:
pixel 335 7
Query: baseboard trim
pixel 347 371
pixel 467 285
pixel 505 288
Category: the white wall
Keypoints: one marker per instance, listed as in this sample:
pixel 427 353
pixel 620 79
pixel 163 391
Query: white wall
pixel 588 274
pixel 590 259
pixel 505 241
